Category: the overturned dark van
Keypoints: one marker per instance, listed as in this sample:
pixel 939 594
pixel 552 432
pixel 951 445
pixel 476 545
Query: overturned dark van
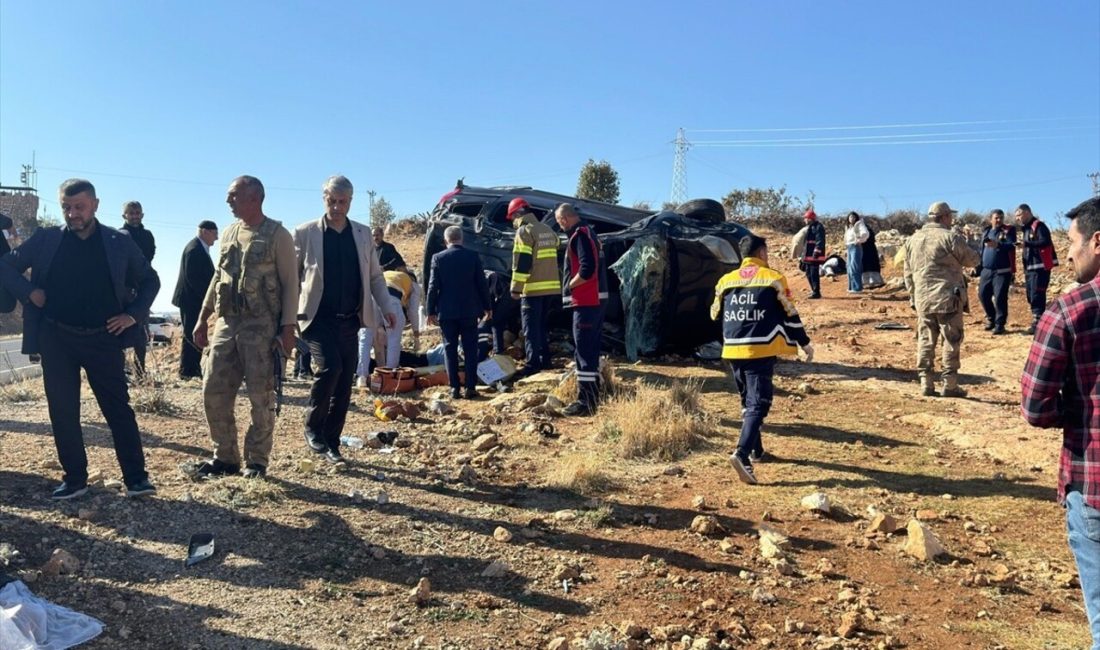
pixel 663 265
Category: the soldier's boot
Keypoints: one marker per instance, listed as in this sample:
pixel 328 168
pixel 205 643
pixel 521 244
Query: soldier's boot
pixel 927 386
pixel 951 387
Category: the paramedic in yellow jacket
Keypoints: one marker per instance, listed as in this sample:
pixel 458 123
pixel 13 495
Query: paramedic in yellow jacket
pixel 759 323
pixel 406 292
pixel 535 279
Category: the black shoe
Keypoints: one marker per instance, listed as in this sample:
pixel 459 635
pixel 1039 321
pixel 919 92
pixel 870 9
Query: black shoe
pixel 471 393
pixel 334 457
pixel 140 489
pixel 759 456
pixel 215 468
pixel 1031 330
pixel 989 325
pixel 743 469
pixel 456 393
pixel 254 470
pixel 998 331
pixel 314 445
pixel 815 296
pixel 65 491
pixel 578 408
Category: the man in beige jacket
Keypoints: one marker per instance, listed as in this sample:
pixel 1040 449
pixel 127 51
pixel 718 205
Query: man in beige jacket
pixel 342 282
pixel 936 259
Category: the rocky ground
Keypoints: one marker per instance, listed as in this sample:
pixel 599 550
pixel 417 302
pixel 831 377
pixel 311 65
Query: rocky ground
pixel 941 529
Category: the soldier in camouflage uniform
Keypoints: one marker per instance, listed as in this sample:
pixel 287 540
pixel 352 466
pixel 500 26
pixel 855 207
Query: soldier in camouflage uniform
pixel 936 260
pixel 253 298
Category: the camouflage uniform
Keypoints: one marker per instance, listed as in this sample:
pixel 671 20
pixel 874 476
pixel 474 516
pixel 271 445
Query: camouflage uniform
pixel 935 262
pixel 248 296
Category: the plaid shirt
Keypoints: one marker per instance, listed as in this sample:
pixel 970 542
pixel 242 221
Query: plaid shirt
pixel 1061 386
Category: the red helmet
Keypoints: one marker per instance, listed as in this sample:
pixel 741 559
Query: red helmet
pixel 517 204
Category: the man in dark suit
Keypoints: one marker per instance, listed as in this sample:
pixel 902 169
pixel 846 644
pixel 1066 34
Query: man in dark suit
pixel 457 297
pixel 196 269
pixel 132 215
pixel 78 314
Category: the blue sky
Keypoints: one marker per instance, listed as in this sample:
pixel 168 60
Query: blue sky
pixel 166 102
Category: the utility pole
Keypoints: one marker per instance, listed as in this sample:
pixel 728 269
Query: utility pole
pixel 679 168
pixel 1095 176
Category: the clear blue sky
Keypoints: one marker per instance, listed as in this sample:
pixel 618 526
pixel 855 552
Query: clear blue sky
pixel 166 102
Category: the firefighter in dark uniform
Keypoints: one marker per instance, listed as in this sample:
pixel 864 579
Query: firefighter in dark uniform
pixel 584 290
pixel 759 323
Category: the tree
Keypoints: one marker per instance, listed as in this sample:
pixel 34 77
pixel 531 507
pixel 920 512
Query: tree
pixel 756 203
pixel 598 182
pixel 642 205
pixel 381 213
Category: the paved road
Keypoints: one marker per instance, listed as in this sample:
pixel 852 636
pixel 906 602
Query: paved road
pixel 13 365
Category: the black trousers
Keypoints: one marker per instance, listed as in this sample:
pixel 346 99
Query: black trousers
pixel 64 353
pixel 813 275
pixel 502 315
pixel 587 325
pixel 190 356
pixel 993 292
pixel 334 345
pixel 1037 282
pixel 456 330
pixel 140 347
pixel 536 336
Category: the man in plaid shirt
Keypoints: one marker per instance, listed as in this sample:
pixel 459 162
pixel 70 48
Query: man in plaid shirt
pixel 1061 387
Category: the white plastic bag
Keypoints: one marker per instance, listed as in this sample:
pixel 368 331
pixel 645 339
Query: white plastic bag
pixel 28 622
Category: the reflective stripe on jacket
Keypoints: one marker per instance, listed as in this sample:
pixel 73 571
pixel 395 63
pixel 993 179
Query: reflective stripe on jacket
pixel 1039 252
pixel 534 258
pixel 584 254
pixel 759 319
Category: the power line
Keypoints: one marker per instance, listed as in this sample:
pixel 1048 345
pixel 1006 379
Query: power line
pixel 890 136
pixel 750 144
pixel 887 126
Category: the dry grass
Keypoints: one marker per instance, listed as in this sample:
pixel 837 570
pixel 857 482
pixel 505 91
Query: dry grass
pixel 610 386
pixel 239 492
pixel 149 394
pixel 580 473
pixel 654 422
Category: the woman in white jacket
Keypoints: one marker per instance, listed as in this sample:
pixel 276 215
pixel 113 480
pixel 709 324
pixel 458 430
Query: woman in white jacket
pixel 854 236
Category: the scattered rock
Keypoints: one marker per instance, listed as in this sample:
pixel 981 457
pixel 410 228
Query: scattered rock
pixel 565 515
pixel 706 525
pixel 440 407
pixel 61 562
pixel 674 470
pixel 501 534
pixel 378 553
pixel 496 569
pixel 558 643
pixel 882 523
pixel 699 502
pixel 566 572
pixel 850 623
pixel 926 514
pixel 763 596
pixel 467 474
pixel 922 542
pixel 485 442
pixel 421 593
pixel 726 546
pixel 306 466
pixel 632 630
pixel 981 549
pixel 816 502
pixel 382 498
pixel 710 605
pixel 806 388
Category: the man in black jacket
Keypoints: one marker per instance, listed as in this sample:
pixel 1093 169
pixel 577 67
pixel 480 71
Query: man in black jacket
pixel 388 257
pixel 132 215
pixel 196 269
pixel 90 287
pixel 457 297
pixel 997 269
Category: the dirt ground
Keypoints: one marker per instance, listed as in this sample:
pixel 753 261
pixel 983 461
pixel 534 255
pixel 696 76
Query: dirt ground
pixel 313 558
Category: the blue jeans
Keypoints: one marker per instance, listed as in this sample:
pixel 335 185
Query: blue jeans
pixel 1083 528
pixel 753 378
pixel 855 267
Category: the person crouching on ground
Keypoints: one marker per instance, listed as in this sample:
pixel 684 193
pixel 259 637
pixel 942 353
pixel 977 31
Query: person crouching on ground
pixel 759 323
